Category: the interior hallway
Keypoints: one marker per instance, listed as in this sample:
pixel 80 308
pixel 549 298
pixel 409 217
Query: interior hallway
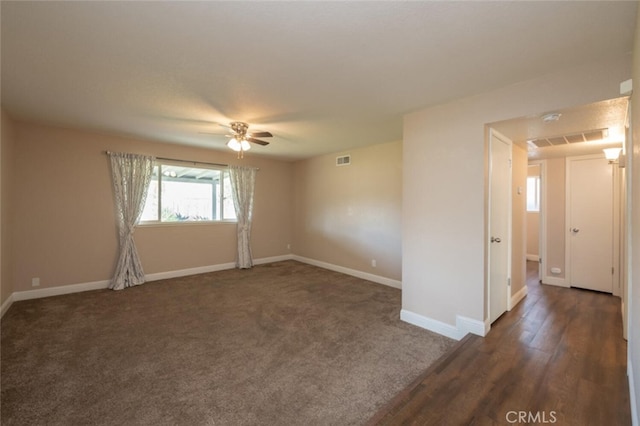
pixel 558 355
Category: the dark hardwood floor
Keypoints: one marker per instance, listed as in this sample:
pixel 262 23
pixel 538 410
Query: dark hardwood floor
pixel 557 358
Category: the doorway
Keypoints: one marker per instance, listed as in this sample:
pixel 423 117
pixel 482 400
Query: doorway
pixel 534 215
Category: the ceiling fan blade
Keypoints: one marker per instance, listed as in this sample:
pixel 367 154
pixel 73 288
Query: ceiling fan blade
pixel 258 141
pixel 261 134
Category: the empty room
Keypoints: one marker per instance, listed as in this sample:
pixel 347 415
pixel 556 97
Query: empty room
pixel 319 213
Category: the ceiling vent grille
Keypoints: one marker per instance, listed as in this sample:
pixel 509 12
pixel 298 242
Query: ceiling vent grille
pixel 343 160
pixel 587 136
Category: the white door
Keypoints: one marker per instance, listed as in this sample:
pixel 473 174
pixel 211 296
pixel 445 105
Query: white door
pixel 499 224
pixel 590 223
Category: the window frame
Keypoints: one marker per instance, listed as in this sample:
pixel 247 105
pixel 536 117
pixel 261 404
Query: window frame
pixel 224 174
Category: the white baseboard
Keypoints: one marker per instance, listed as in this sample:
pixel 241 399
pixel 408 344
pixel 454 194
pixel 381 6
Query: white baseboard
pixel 469 325
pixel 430 324
pixel 100 285
pixel 463 325
pixel 516 298
pixel 348 271
pixel 103 284
pixel 533 257
pixel 632 391
pixel 273 259
pixel 60 290
pixel 560 282
pixel 6 305
pixel 189 271
pixel 211 268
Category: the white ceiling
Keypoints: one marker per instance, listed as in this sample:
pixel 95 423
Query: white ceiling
pixel 321 76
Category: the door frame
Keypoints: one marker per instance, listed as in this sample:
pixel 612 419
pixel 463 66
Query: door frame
pixel 495 134
pixel 618 238
pixel 542 216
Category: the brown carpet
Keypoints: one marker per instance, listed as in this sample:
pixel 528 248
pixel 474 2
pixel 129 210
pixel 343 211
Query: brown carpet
pixel 279 344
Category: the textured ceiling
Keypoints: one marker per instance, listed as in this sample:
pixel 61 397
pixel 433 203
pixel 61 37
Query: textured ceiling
pixel 610 115
pixel 321 76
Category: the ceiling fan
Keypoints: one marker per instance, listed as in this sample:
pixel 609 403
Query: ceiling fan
pixel 241 137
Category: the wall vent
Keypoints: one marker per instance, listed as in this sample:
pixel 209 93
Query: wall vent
pixel 343 160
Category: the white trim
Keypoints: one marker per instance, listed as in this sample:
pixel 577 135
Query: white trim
pixel 533 257
pixel 617 233
pixel 60 290
pixel 100 285
pixel 542 217
pixel 190 271
pixel 272 259
pixel 353 272
pixel 632 391
pixel 211 268
pixel 469 325
pixel 463 325
pixel 516 298
pixel 6 305
pixel 559 282
pixel 431 324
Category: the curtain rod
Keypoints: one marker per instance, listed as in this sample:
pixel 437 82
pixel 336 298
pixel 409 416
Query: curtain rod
pixel 192 162
pixel 187 161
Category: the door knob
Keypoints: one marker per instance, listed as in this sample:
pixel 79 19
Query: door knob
pixel 575 230
pixel 495 240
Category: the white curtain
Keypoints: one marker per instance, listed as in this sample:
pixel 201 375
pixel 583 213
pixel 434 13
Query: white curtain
pixel 242 185
pixel 131 175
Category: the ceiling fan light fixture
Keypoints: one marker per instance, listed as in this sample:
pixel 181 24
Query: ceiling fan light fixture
pixel 235 145
pixel 241 140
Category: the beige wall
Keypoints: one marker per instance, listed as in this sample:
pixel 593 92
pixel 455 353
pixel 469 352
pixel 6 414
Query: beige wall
pixel 444 169
pixel 633 150
pixel 65 229
pixel 533 221
pixel 6 166
pixel 518 219
pixel 349 215
pixel 555 217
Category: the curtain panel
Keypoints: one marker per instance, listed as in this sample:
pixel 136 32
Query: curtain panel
pixel 131 174
pixel 242 185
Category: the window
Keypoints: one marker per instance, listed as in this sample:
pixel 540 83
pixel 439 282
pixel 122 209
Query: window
pixel 533 193
pixel 188 194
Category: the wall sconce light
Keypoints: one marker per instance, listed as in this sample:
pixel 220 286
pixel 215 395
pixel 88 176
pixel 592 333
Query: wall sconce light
pixel 612 155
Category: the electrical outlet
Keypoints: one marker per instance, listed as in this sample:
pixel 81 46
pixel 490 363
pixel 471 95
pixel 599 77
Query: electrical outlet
pixel 374 263
pixel 288 246
pixel 35 282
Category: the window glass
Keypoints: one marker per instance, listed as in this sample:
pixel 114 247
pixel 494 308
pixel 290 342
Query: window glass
pixel 533 194
pixel 150 212
pixel 188 194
